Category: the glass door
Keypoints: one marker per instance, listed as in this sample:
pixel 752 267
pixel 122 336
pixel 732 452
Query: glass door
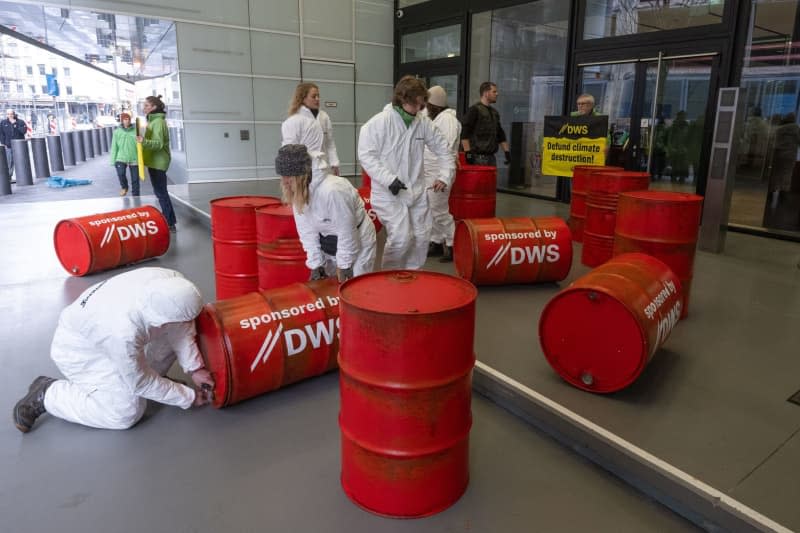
pixel 657 111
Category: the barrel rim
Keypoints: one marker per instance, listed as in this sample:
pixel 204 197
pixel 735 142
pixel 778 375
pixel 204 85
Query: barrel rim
pixel 468 286
pixel 283 210
pixel 659 196
pixel 622 383
pixel 87 242
pixel 222 201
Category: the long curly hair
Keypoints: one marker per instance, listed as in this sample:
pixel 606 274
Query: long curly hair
pixel 300 93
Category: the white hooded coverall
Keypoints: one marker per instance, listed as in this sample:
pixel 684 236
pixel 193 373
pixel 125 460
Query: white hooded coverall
pixel 115 343
pixel 316 133
pixel 335 208
pixel 442 225
pixel 387 149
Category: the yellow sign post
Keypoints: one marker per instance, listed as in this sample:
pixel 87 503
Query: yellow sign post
pixel 139 151
pixel 572 141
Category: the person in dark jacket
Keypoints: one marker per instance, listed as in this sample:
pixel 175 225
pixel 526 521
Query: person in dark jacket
pixel 481 132
pixel 11 128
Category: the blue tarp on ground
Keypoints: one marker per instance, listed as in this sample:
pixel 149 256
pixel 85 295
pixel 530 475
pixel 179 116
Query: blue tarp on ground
pixel 57 182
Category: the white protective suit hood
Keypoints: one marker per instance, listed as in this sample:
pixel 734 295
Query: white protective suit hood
pixel 168 300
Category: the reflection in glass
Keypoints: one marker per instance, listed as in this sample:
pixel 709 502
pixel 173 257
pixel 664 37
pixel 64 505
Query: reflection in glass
pixel 767 187
pixel 610 18
pixel 437 43
pixel 523 50
pixel 613 89
pixel 679 124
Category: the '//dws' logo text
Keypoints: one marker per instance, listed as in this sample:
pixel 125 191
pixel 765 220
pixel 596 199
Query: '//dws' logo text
pixel 549 253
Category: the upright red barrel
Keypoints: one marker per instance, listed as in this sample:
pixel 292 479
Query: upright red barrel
pixel 85 245
pixel 577 206
pixel 265 340
pixel 233 233
pixel 405 382
pixel 366 196
pixel 500 251
pixel 662 224
pixel 281 257
pixel 474 192
pixel 600 332
pixel 601 211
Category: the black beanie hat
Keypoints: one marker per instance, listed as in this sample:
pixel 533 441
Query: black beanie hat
pixel 293 160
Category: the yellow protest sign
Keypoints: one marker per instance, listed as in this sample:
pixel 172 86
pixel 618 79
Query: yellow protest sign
pixel 139 151
pixel 572 141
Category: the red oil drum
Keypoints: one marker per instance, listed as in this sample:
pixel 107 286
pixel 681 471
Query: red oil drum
pixel 600 332
pixel 281 258
pixel 577 205
pixel 474 192
pixel 501 251
pixel 662 224
pixel 262 341
pixel 107 240
pixel 275 222
pixel 601 211
pixel 366 181
pixel 233 233
pixel 405 382
pixel 366 194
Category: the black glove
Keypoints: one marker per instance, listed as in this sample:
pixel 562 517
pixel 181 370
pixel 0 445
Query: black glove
pixel 344 274
pixel 396 186
pixel 508 158
pixel 469 158
pixel 318 273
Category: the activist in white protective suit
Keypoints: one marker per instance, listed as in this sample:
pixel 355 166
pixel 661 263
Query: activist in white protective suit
pixel 309 125
pixel 390 149
pixel 442 225
pixel 337 234
pixel 114 344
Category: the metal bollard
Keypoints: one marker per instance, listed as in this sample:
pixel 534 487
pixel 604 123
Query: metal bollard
pixel 77 143
pixel 22 162
pixel 40 164
pixel 88 148
pixel 54 148
pixel 5 177
pixel 96 146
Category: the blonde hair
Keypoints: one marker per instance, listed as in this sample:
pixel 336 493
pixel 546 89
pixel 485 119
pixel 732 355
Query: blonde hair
pixel 296 193
pixel 300 93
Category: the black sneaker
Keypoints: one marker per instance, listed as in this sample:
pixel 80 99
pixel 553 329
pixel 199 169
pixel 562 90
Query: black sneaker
pixel 31 406
pixel 173 229
pixel 434 249
pixel 447 254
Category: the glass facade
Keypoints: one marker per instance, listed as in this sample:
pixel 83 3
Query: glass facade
pixel 767 187
pixel 611 18
pixel 523 49
pixel 437 43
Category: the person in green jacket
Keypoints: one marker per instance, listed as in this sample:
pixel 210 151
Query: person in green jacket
pixel 123 155
pixel 155 145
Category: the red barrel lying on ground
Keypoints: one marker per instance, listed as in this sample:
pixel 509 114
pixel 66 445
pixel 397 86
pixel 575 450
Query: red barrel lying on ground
pixel 581 175
pixel 265 340
pixel 85 245
pixel 233 233
pixel 662 224
pixel 601 211
pixel 500 251
pixel 405 382
pixel 474 192
pixel 281 257
pixel 600 332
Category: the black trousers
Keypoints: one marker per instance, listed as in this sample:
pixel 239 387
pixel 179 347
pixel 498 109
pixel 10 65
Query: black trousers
pixel 159 180
pixel 123 179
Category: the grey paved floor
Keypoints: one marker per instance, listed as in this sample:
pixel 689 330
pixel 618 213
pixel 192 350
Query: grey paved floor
pixel 713 400
pixel 269 464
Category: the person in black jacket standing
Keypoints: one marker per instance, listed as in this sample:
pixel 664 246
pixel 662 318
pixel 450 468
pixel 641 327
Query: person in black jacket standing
pixel 11 128
pixel 481 132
